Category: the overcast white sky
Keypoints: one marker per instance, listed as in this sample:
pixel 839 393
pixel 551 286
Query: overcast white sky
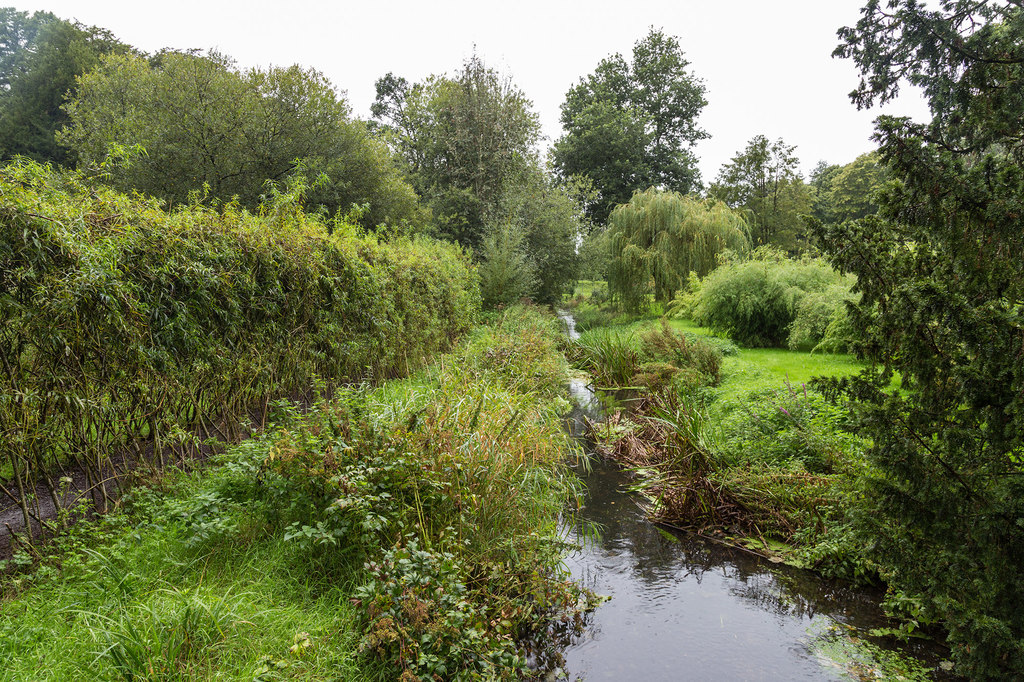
pixel 766 65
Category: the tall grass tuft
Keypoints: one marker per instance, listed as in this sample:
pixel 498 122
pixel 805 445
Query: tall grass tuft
pixel 611 357
pixel 175 636
pixel 667 445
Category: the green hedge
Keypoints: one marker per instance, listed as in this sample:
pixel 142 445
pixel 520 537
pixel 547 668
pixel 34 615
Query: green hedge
pixel 120 320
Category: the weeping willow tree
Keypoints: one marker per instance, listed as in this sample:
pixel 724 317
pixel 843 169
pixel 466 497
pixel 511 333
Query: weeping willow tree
pixel 658 238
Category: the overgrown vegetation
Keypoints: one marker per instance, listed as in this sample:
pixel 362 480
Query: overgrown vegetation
pixel 722 445
pixel 232 265
pixel 402 532
pixel 657 358
pixel 126 330
pixel 729 440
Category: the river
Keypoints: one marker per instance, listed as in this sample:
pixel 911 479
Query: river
pixel 685 608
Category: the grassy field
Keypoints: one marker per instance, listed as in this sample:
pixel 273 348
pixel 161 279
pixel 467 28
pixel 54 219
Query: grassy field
pixel 768 365
pixel 586 287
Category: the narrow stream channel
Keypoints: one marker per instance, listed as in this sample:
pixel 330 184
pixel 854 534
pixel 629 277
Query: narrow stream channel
pixel 683 608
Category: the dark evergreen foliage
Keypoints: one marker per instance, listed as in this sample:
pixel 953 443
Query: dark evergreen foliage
pixel 942 278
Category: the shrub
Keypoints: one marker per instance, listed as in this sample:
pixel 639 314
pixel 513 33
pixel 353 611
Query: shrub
pixel 699 362
pixel 591 317
pixel 816 314
pixel 506 272
pixel 422 620
pixel 655 375
pixel 747 303
pixel 771 300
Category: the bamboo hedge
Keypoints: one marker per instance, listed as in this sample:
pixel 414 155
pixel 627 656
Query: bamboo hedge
pixel 130 333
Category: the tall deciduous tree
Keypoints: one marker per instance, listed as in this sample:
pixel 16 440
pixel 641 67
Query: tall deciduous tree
pixel 550 218
pixel 820 184
pixel 942 280
pixel 847 192
pixel 632 125
pixel 40 56
pixel 763 179
pixel 466 139
pixel 202 123
pixel 19 39
pixel 658 238
pixel 469 141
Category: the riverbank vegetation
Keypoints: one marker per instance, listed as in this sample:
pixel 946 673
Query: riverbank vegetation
pixel 204 241
pixel 131 335
pixel 403 531
pixel 726 443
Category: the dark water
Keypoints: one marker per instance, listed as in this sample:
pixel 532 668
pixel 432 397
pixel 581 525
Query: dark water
pixel 684 608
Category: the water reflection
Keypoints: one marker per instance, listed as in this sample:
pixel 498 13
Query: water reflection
pixel 683 608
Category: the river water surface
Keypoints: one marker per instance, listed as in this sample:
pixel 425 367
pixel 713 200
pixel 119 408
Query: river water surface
pixel 685 608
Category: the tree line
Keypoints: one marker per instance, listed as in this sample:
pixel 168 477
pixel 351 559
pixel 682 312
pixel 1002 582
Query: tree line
pixel 458 156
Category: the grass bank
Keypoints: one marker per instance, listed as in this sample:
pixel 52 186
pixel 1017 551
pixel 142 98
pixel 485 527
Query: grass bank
pixel 399 532
pixel 732 442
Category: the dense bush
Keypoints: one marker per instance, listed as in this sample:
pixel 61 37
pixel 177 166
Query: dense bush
pixel 699 362
pixel 120 321
pixel 590 316
pixel 788 455
pixel 507 275
pixel 772 300
pixel 746 302
pixel 611 357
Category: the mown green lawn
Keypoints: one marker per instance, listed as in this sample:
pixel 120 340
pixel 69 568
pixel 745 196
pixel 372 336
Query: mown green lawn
pixel 777 365
pixel 586 287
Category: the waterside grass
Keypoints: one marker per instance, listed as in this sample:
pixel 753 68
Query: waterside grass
pixel 757 453
pixel 402 532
